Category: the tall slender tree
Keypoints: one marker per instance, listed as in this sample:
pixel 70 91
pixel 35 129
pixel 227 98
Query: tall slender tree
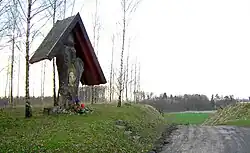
pixel 135 81
pixel 138 81
pixel 14 24
pixel 7 79
pixel 131 82
pixel 128 7
pixel 29 16
pixel 27 95
pixel 53 60
pixel 18 78
pixel 111 70
pixel 96 36
pixel 126 81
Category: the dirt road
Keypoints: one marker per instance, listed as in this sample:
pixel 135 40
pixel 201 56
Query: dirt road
pixel 208 139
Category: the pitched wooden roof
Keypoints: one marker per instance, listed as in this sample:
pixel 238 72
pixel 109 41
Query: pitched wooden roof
pixel 93 74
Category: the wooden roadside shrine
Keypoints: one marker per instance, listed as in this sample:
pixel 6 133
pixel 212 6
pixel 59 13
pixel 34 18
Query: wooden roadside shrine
pixel 76 60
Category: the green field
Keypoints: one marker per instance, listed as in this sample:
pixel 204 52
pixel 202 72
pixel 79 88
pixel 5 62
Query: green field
pixel 187 118
pixel 78 133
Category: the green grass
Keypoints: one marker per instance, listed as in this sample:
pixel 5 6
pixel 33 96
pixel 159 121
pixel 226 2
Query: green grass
pixel 77 133
pixel 186 118
pixel 243 123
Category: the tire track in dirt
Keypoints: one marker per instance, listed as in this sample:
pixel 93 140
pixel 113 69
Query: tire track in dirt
pixel 209 139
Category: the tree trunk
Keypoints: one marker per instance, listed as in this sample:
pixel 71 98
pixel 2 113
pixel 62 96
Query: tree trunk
pixel 92 94
pixel 138 83
pixel 54 83
pixel 41 81
pixel 44 76
pixel 18 77
pixel 13 51
pixel 131 82
pixel 122 52
pixel 27 96
pixel 12 69
pixel 111 70
pixel 53 60
pixel 7 80
pixel 64 9
pixel 135 82
pixel 96 29
pixel 127 74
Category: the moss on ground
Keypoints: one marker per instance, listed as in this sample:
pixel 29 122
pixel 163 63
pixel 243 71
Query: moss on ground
pixel 231 115
pixel 81 133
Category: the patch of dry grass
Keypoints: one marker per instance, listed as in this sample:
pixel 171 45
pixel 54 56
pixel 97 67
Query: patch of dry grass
pixel 230 113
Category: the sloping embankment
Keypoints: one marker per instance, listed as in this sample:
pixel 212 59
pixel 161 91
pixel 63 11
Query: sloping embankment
pixel 96 132
pixel 229 113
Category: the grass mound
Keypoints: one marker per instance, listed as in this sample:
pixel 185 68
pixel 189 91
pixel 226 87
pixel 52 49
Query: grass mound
pixel 230 115
pixel 77 133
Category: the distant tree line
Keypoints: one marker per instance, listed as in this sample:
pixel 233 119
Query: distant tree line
pixel 164 102
pixel 188 102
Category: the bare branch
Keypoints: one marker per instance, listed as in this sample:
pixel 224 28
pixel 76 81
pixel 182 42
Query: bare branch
pixel 133 6
pixel 2 11
pixel 20 5
pixel 3 68
pixel 4 27
pixel 40 11
pixel 33 2
pixel 73 6
pixel 81 7
pixel 38 31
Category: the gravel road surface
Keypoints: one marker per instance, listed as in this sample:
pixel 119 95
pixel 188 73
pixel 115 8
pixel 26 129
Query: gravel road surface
pixel 209 139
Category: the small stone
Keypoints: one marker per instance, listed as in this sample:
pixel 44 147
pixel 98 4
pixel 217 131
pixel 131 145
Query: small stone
pixel 120 127
pixel 136 137
pixel 127 132
pixel 120 122
pixel 154 149
pixel 166 142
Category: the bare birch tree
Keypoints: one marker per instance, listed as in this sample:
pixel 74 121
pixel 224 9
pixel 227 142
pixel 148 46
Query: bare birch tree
pixel 138 84
pixel 128 7
pixel 13 29
pixel 7 79
pixel 64 8
pixel 27 95
pixel 131 82
pixel 29 17
pixel 9 11
pixel 111 70
pixel 126 81
pixel 53 60
pixel 18 78
pixel 96 36
pixel 135 81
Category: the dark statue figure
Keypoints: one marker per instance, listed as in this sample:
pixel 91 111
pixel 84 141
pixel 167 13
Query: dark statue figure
pixel 70 69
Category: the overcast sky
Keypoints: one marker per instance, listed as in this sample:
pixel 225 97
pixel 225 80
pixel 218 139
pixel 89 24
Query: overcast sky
pixel 194 46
